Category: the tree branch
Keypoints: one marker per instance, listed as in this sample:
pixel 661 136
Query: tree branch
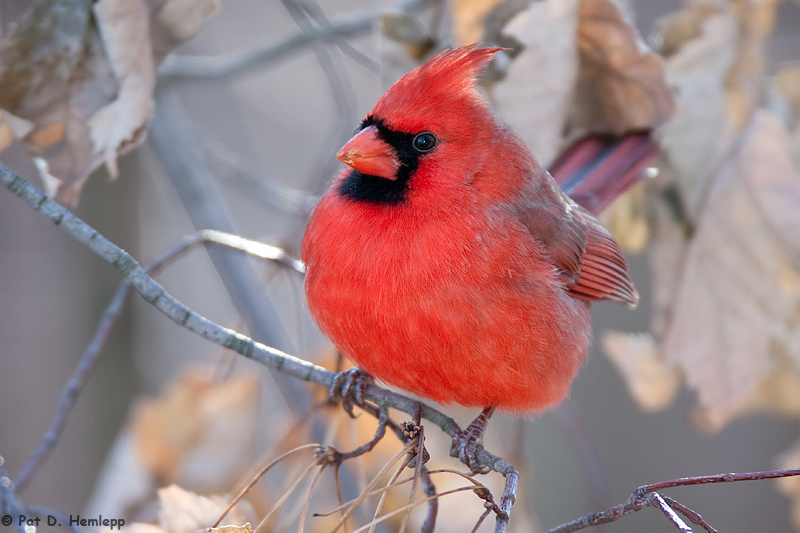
pixel 155 294
pixel 109 319
pixel 646 496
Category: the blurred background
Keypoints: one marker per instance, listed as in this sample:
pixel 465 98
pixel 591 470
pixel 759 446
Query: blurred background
pixel 263 141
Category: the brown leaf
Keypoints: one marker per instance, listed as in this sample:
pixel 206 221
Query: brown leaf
pixel 736 320
pixel 120 124
pixel 85 79
pixel 201 432
pixel 536 94
pixel 182 511
pixel 621 84
pixel 651 381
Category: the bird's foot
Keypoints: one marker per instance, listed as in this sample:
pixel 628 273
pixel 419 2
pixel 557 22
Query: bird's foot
pixel 466 444
pixel 349 386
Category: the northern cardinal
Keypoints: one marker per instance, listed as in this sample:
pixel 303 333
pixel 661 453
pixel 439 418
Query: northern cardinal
pixel 446 261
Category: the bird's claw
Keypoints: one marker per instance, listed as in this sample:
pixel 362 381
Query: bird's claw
pixel 349 386
pixel 469 442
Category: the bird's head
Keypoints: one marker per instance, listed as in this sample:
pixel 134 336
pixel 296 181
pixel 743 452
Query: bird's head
pixel 425 127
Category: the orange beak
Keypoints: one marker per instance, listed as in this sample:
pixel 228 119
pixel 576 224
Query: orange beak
pixel 369 154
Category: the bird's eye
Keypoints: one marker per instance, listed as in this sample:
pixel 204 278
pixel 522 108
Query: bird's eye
pixel 424 142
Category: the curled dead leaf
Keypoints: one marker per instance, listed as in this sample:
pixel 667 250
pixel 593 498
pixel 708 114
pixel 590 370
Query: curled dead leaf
pixel 83 74
pixel 201 432
pixel 621 84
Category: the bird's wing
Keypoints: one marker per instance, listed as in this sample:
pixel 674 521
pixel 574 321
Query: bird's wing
pixel 582 250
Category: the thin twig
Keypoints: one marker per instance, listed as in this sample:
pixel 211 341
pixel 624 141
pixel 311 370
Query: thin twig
pixel 353 504
pixel 341 89
pixel 88 361
pixel 419 460
pixel 235 63
pixel 287 493
pixel 483 516
pixel 383 418
pixel 287 200
pixel 412 505
pixel 303 515
pixel 655 500
pixel 175 144
pixel 507 500
pixel 717 478
pixel 693 516
pixel 644 497
pixel 10 504
pixel 385 493
pixel 433 504
pixel 258 476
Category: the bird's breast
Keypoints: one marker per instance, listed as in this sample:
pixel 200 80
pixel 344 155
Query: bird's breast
pixel 459 306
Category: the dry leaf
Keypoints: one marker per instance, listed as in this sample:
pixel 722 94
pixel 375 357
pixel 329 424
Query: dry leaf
pixel 125 29
pixel 536 94
pixel 736 318
pixel 468 16
pixel 621 85
pixel 186 512
pixel 701 133
pixel 201 433
pixel 247 528
pixel 651 381
pixel 85 79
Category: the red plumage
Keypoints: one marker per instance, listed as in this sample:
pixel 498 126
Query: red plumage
pixel 447 261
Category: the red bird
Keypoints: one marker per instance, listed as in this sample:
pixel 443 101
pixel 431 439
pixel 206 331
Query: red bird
pixel 446 261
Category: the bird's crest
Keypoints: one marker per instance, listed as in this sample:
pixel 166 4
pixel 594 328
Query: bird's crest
pixel 450 75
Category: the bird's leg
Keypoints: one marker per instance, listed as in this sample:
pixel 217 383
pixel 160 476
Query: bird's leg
pixel 466 444
pixel 349 386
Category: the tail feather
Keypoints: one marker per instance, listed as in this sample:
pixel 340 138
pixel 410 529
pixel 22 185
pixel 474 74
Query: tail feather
pixel 595 170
